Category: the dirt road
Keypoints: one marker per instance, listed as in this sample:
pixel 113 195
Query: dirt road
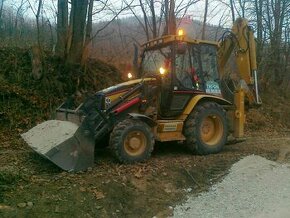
pixel 30 185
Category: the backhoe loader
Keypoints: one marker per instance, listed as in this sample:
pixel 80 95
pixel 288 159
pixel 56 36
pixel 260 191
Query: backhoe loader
pixel 177 95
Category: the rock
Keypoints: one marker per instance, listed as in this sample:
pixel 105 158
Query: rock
pixel 90 169
pixel 5 207
pixel 21 205
pixel 124 178
pixel 167 190
pixel 82 189
pixel 188 190
pixel 98 195
pixel 29 204
pixel 57 210
pixel 99 207
pixel 138 175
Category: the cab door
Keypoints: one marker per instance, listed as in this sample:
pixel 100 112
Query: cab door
pixel 184 81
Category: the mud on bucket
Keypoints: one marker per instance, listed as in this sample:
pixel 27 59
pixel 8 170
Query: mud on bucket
pixel 64 143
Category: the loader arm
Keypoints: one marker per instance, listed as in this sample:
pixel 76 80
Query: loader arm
pixel 240 42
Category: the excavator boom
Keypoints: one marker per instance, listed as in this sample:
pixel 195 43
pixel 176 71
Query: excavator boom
pixel 241 42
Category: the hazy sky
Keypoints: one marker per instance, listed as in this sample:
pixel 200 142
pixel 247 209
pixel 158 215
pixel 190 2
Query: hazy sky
pixel 196 11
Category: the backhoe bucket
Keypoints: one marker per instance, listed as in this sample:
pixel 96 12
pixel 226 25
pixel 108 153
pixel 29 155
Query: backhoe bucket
pixel 66 144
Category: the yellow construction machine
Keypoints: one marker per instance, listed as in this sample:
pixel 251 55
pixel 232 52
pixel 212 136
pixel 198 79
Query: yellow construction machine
pixel 177 95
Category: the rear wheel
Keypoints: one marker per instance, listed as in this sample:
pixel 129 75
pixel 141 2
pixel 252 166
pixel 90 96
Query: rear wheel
pixel 206 129
pixel 132 141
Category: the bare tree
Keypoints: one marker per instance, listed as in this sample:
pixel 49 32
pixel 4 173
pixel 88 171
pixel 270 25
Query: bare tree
pixel 258 8
pixel 62 27
pixel 37 16
pixel 172 18
pixel 89 27
pixel 232 6
pixel 79 15
pixel 1 12
pixel 159 15
pixel 204 19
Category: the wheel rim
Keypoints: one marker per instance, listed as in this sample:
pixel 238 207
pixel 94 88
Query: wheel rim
pixel 212 130
pixel 135 143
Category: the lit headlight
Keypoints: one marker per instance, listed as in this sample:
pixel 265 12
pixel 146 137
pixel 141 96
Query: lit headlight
pixel 162 71
pixel 180 32
pixel 129 75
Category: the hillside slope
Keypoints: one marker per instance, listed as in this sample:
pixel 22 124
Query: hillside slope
pixel 25 100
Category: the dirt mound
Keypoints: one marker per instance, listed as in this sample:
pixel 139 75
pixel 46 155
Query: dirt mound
pixel 25 101
pixel 272 118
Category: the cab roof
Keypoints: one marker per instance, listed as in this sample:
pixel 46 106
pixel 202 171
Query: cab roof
pixel 169 39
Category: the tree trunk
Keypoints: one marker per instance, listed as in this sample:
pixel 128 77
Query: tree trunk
pixel 166 15
pixel 145 20
pixel 204 20
pixel 37 22
pixel 88 32
pixel 154 24
pixel 259 17
pixel 79 10
pixel 62 27
pixel 232 10
pixel 172 19
pixel 1 10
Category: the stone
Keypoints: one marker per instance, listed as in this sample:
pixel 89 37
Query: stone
pixel 21 205
pixel 29 204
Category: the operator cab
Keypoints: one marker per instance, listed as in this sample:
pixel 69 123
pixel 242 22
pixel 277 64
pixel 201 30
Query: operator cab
pixel 185 68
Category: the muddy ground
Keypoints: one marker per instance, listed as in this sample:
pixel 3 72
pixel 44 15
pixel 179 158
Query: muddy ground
pixel 32 186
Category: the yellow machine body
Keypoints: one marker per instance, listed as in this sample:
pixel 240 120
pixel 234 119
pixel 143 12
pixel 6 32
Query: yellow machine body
pixel 177 98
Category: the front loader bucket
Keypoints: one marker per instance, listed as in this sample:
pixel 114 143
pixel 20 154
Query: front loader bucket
pixel 66 144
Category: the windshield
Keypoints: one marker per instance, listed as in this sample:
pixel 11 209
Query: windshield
pixel 196 66
pixel 183 69
pixel 154 59
pixel 209 62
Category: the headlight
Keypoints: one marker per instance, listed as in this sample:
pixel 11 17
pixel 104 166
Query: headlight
pixel 129 75
pixel 180 32
pixel 162 71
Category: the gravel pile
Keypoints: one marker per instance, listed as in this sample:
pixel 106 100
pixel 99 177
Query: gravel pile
pixel 49 134
pixel 254 187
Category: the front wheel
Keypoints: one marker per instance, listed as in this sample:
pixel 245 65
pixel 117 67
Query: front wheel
pixel 206 129
pixel 132 141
